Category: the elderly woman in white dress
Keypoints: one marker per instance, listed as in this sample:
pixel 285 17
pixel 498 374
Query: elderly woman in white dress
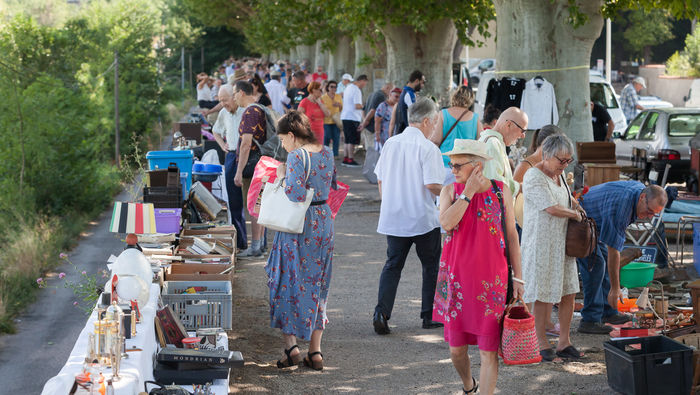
pixel 550 275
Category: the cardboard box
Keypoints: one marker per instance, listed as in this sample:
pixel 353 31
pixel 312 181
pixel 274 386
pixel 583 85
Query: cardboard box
pixel 198 272
pixel 187 242
pixel 186 256
pixel 200 229
pixel 227 238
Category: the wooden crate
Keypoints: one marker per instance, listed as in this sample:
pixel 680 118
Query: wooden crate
pixel 595 152
pixel 598 173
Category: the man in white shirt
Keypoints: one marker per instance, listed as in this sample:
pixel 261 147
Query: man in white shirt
pixel 351 117
pixel 410 174
pixel 277 92
pixel 226 134
pixel 510 127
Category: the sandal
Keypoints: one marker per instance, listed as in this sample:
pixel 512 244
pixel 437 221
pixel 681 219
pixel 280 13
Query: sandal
pixel 289 362
pixel 570 352
pixel 475 387
pixel 548 354
pixel 315 365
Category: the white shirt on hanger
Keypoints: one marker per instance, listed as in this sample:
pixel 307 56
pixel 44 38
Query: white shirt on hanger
pixel 539 103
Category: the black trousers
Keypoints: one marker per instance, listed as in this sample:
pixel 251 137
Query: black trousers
pixel 428 248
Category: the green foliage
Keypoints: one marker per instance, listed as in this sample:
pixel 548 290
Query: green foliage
pixel 647 28
pixel 687 62
pixel 57 123
pixel 279 25
pixel 46 12
pixel 680 9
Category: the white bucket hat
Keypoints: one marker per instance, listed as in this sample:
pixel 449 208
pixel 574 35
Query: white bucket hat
pixel 469 147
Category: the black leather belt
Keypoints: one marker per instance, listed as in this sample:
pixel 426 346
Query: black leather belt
pixel 318 203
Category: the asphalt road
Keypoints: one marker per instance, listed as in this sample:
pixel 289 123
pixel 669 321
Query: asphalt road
pixel 48 329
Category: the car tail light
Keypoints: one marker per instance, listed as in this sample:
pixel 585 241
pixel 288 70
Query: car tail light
pixel 668 154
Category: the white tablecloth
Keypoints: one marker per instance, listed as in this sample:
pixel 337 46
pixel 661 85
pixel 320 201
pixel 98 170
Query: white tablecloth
pixel 134 370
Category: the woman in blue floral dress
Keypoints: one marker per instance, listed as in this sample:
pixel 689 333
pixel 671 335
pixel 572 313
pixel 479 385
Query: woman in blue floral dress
pixel 299 266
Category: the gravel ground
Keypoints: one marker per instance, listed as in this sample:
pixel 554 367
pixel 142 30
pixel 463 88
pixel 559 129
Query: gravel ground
pixel 409 360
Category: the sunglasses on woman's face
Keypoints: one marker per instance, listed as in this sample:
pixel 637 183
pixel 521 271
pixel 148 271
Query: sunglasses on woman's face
pixel 332 86
pixel 458 166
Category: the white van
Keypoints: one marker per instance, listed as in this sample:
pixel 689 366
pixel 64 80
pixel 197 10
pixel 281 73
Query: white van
pixel 693 98
pixel 601 92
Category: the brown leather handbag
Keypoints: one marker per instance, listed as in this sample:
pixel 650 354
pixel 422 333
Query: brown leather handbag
pixel 581 237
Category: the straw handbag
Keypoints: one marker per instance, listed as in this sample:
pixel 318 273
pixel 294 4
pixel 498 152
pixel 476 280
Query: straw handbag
pixel 519 345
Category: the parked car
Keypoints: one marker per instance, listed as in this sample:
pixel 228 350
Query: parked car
pixel 649 102
pixel 483 66
pixel 664 134
pixel 460 76
pixel 600 92
pixel 693 98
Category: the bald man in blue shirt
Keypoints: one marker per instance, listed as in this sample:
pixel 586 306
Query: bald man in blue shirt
pixel 613 206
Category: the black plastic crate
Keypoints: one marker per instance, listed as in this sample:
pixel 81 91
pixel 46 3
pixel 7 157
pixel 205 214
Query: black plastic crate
pixel 163 197
pixel 655 365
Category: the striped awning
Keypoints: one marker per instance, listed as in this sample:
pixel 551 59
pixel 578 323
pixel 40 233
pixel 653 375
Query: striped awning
pixel 136 218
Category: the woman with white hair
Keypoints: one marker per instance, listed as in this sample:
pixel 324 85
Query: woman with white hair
pixel 472 283
pixel 550 275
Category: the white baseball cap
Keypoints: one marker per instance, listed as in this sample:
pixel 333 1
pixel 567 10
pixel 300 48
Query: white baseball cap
pixel 640 81
pixel 347 76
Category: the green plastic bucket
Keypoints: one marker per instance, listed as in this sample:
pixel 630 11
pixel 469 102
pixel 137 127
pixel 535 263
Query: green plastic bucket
pixel 637 274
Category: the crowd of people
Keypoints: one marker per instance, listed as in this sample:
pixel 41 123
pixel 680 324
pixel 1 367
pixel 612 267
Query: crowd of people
pixel 486 232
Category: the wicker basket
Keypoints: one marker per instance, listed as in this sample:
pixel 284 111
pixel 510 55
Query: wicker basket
pixel 519 345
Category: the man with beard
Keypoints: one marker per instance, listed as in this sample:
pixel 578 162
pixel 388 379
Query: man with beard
pixel 399 119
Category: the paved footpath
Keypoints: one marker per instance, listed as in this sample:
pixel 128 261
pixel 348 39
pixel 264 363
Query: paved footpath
pixel 409 360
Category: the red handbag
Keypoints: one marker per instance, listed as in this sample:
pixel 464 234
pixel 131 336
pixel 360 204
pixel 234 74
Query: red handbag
pixel 519 345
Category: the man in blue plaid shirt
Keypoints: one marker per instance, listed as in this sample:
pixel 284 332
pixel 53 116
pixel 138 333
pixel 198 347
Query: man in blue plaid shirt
pixel 629 99
pixel 613 206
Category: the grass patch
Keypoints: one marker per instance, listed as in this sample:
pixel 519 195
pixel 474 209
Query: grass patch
pixel 28 253
pixel 31 246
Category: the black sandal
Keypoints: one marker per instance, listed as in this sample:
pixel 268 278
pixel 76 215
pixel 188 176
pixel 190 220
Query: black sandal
pixel 475 387
pixel 289 362
pixel 315 365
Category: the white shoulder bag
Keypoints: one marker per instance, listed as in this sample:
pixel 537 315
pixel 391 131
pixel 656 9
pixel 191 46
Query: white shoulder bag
pixel 279 213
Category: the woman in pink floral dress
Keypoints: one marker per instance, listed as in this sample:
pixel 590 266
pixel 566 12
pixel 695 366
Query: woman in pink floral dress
pixel 473 279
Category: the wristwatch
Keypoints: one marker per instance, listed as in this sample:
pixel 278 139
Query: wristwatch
pixel 465 198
